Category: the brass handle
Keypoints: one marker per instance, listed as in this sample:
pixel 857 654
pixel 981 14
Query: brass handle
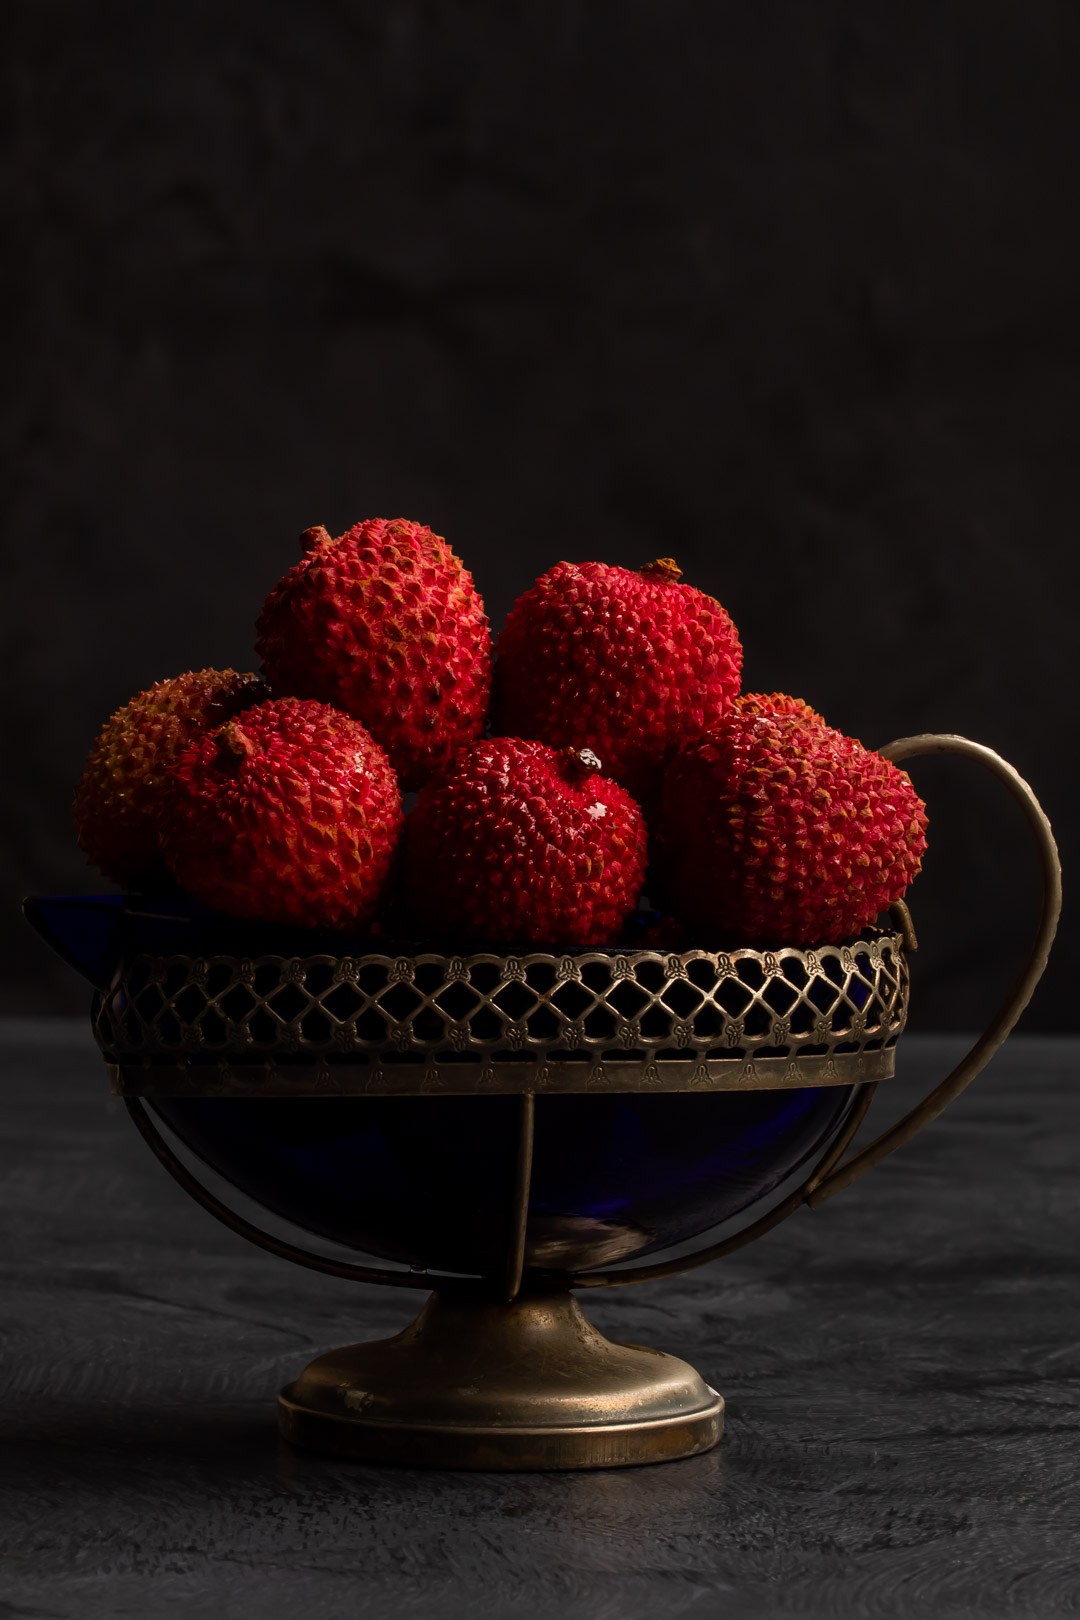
pixel 835 1181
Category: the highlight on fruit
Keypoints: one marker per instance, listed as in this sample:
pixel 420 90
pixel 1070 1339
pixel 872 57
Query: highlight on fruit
pixel 605 751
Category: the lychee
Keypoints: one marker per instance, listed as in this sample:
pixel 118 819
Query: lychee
pixel 384 623
pixel 289 813
pixel 774 703
pixel 776 829
pixel 117 798
pixel 595 656
pixel 517 841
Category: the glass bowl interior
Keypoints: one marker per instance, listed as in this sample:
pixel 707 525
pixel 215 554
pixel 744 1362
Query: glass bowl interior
pixel 428 1181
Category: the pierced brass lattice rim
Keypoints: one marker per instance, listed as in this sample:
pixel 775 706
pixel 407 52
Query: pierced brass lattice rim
pixel 484 1023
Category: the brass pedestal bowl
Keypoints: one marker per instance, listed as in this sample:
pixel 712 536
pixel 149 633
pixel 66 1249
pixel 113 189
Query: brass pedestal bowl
pixel 506 1130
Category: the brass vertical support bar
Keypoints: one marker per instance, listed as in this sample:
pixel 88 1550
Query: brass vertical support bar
pixel 519 1215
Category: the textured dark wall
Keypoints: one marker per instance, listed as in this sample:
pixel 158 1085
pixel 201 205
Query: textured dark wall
pixel 786 290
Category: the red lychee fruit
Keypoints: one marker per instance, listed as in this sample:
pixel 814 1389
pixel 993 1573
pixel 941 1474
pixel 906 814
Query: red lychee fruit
pixel 290 813
pixel 774 703
pixel 777 829
pixel 595 656
pixel 117 798
pixel 384 623
pixel 516 841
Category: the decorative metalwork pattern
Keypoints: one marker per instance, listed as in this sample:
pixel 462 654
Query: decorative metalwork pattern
pixel 590 1020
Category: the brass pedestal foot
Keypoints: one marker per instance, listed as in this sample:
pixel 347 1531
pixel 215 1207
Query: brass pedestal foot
pixel 477 1384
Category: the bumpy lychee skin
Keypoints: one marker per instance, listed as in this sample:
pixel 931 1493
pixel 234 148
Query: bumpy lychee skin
pixel 290 813
pixel 516 841
pixel 595 656
pixel 779 830
pixel 749 703
pixel 117 798
pixel 384 623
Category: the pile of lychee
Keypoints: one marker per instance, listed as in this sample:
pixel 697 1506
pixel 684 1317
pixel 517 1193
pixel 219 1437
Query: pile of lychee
pixel 607 750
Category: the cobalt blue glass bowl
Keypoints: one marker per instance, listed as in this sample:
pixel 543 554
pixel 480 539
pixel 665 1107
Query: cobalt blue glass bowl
pixel 427 1180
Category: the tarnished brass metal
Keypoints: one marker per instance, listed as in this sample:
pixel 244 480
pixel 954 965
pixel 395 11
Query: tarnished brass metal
pixel 733 1020
pixel 523 1381
pixel 901 916
pixel 826 1179
pixel 519 1386
pixel 518 1224
pixel 822 1188
pixel 861 1065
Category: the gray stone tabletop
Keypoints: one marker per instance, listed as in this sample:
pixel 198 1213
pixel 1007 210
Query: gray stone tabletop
pixel 902 1371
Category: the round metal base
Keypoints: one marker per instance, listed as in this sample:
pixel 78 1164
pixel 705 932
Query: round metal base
pixel 477 1384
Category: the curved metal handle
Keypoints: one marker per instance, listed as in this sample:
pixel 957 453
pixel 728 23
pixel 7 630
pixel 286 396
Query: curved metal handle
pixel 998 1031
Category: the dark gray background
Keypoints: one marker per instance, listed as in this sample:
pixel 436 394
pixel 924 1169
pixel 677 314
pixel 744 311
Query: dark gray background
pixel 786 290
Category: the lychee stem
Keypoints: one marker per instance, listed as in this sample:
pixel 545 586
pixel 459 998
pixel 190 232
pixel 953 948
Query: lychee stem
pixel 233 742
pixel 580 763
pixel 664 569
pixel 314 539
